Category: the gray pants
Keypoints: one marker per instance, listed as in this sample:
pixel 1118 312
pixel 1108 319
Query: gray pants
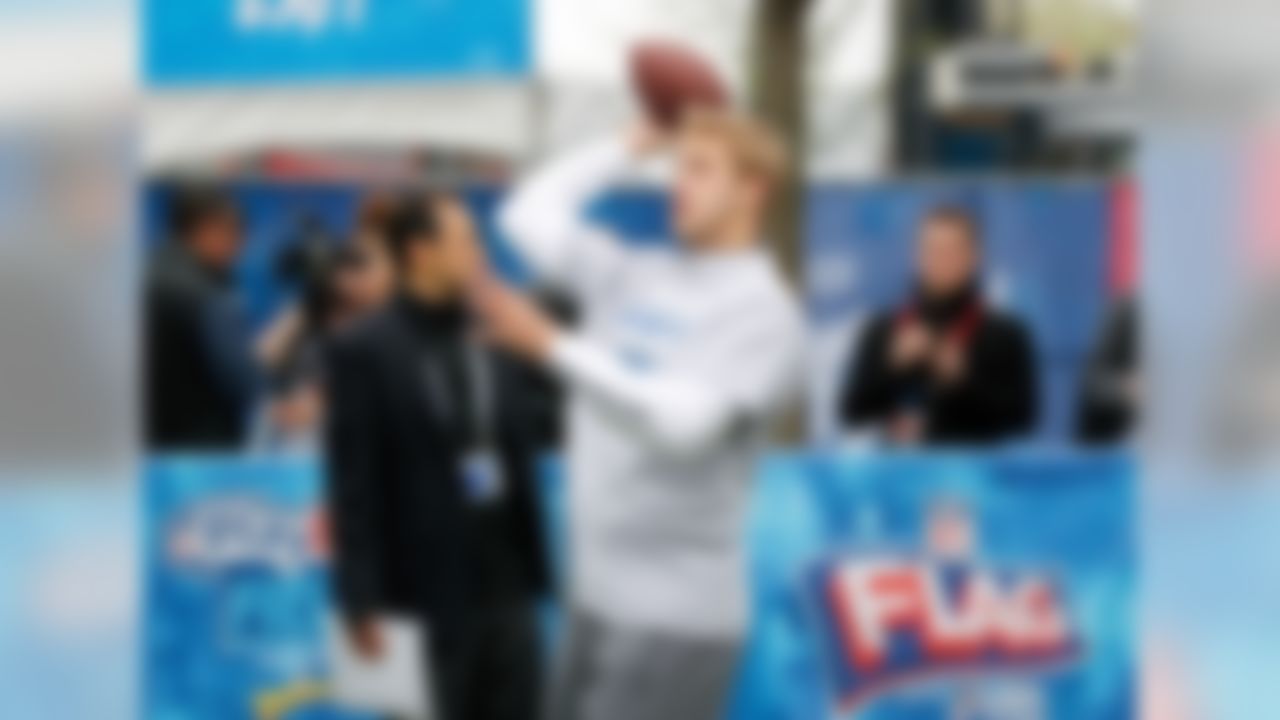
pixel 608 672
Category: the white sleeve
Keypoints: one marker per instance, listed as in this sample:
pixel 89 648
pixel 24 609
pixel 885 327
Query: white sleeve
pixel 752 371
pixel 545 219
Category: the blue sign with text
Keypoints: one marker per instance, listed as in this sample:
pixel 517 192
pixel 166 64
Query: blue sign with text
pixel 885 588
pixel 200 42
pixel 984 587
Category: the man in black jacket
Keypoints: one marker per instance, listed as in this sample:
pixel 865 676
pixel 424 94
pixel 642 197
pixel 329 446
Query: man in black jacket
pixel 200 375
pixel 432 478
pixel 944 368
pixel 1110 393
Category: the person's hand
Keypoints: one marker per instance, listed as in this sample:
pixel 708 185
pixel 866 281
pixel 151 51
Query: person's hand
pixel 949 364
pixel 909 345
pixel 646 137
pixel 297 412
pixel 906 428
pixel 511 321
pixel 365 635
pixel 273 345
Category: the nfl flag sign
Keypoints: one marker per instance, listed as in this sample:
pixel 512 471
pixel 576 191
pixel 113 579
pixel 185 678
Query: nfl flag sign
pixel 942 586
pixel 895 619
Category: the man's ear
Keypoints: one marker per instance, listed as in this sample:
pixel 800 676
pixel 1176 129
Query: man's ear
pixel 762 194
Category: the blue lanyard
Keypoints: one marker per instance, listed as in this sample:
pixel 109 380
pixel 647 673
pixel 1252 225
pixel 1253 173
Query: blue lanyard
pixel 479 381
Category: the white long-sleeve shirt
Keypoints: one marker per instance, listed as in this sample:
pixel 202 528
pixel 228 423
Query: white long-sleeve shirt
pixel 682 360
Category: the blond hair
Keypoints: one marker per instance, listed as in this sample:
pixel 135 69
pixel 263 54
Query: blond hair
pixel 756 148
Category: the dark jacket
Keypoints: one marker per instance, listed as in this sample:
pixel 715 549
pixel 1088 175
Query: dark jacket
pixel 994 400
pixel 1106 412
pixel 199 370
pixel 406 537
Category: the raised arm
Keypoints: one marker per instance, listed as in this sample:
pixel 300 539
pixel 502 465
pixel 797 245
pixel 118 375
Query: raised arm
pixel 545 217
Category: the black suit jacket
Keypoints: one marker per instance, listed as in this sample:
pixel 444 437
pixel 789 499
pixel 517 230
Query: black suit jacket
pixel 996 399
pixel 199 372
pixel 398 512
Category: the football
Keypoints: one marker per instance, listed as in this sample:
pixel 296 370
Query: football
pixel 669 79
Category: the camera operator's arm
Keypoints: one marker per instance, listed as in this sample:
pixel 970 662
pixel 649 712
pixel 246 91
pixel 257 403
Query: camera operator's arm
pixel 546 215
pixel 280 336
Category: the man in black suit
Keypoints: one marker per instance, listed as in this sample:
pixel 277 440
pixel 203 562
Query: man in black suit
pixel 200 374
pixel 945 368
pixel 432 477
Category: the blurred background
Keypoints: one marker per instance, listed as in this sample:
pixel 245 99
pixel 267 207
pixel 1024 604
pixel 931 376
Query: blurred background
pixel 1075 131
pixel 71 531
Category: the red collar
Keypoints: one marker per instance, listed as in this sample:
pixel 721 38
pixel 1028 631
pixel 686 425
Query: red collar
pixel 960 330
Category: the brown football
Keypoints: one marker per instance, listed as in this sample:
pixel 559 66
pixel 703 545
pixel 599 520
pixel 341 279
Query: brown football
pixel 669 78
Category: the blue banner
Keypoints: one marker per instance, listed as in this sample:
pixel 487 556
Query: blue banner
pixel 236 591
pixel 255 41
pixel 976 587
pixel 898 588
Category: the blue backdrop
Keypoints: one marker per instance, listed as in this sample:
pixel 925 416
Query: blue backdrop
pixel 235 578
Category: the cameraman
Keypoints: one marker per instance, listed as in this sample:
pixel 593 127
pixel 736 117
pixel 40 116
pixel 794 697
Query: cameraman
pixel 337 284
